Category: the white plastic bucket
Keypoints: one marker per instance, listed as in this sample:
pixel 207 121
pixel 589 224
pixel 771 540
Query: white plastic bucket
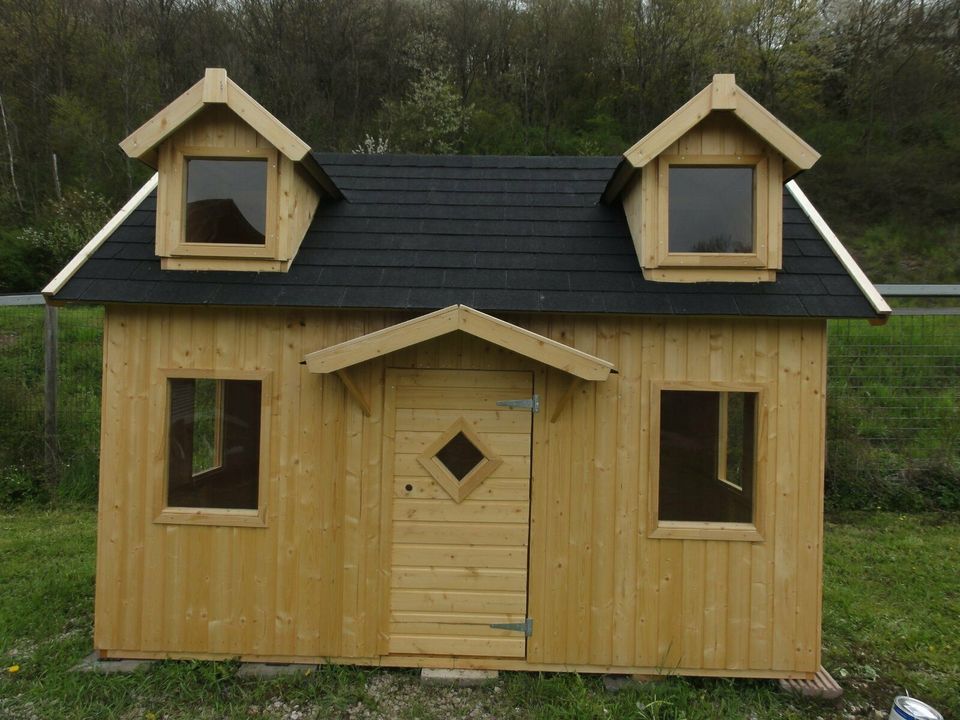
pixel 908 708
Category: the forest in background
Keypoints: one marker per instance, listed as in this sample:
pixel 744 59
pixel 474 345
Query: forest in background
pixel 874 85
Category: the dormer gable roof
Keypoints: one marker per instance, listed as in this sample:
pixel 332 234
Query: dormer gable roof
pixel 216 88
pixel 721 95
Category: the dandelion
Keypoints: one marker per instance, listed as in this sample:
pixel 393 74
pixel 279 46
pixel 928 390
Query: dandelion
pixel 13 669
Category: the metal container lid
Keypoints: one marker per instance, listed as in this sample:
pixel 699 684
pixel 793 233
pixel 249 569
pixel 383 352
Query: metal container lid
pixel 912 709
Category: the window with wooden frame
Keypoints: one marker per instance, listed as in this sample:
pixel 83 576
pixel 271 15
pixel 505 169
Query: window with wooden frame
pixel 215 449
pixel 706 461
pixel 712 211
pixel 227 207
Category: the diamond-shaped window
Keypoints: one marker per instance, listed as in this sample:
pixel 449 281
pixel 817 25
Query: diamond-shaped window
pixel 459 460
pixel 459 456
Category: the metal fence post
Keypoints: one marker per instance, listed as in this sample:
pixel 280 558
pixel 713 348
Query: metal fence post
pixel 51 455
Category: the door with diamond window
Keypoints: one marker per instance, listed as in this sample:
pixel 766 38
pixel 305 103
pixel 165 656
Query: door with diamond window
pixel 460 476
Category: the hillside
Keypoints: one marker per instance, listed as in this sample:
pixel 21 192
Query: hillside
pixel 874 85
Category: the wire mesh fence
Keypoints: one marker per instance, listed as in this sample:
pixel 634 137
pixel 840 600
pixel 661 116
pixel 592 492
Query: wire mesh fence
pixel 898 383
pixel 75 445
pixel 893 401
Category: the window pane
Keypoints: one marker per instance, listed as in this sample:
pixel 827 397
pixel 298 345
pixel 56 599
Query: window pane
pixel 691 434
pixel 459 456
pixel 206 426
pixel 226 201
pixel 711 209
pixel 739 417
pixel 232 481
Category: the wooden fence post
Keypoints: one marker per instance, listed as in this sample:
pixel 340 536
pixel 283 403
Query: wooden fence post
pixel 51 454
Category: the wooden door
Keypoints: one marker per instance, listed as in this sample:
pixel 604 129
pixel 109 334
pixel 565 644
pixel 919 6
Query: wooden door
pixel 460 477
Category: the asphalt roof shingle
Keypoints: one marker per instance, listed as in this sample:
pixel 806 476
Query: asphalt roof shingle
pixel 496 233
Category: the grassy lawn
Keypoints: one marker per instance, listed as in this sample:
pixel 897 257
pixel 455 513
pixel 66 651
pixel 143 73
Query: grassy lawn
pixel 891 622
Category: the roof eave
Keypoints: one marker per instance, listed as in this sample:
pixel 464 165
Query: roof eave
pixel 870 292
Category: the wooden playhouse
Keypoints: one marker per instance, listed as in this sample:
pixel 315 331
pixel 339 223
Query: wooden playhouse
pixel 544 413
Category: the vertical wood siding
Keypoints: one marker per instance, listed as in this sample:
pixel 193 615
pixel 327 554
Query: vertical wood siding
pixel 601 593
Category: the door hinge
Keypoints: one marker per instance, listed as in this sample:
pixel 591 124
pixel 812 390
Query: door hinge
pixel 526 627
pixel 532 404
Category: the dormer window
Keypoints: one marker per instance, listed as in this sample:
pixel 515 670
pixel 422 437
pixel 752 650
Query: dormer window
pixel 713 212
pixel 236 189
pixel 226 201
pixel 229 203
pixel 702 192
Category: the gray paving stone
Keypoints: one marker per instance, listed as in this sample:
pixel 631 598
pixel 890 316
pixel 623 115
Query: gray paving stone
pixel 457 678
pixel 93 663
pixel 267 671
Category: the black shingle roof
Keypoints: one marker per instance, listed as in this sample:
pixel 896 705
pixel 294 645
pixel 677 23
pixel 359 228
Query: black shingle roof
pixel 494 233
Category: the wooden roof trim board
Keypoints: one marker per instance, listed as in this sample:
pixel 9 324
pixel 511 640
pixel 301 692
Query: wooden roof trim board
pixel 97 240
pixel 217 88
pixel 459 317
pixel 722 94
pixel 842 254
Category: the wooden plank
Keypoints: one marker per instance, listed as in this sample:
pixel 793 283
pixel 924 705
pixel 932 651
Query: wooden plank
pixel 372 483
pixel 306 425
pixel 448 398
pixel 479 533
pixel 78 260
pixel 514 382
pixel 634 207
pixel 347 379
pixel 723 89
pixel 693 581
pixel 605 420
pixel 387 535
pixel 557 605
pixel 658 139
pixel 670 635
pixel 427 645
pixel 536 347
pixel 715 610
pixel 145 138
pixel 214 86
pixel 582 482
pixel 426 626
pixel 255 115
pixel 762 122
pixel 539 499
pixel 415 442
pixel 762 555
pixel 461 556
pixel 787 488
pixel 501 421
pixel 468 511
pixel 425 578
pixel 810 494
pixel 512 466
pixel 455 618
pixel 458 317
pixel 636 583
pixel 422 488
pixel 458 601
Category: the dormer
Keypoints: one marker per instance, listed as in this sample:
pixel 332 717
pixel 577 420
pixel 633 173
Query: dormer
pixel 236 188
pixel 703 191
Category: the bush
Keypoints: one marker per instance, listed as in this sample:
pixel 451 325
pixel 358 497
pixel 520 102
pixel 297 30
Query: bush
pixel 19 485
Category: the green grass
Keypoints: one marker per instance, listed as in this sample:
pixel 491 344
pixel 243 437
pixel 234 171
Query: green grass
pixel 21 402
pixel 891 622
